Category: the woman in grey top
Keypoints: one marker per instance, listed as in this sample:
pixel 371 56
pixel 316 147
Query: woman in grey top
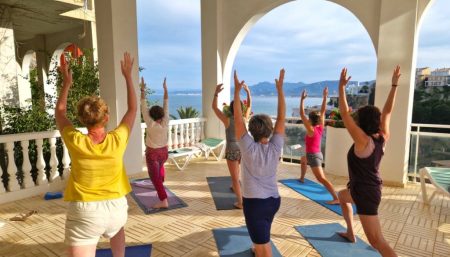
pixel 232 152
pixel 260 158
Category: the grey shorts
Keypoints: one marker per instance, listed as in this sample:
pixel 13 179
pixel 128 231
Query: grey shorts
pixel 314 159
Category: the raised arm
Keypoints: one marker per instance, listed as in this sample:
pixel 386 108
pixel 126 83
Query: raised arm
pixel 239 126
pixel 281 110
pixel 359 136
pixel 323 109
pixel 249 102
pixel 309 128
pixel 144 107
pixel 222 117
pixel 389 105
pixel 166 101
pixel 126 66
pixel 61 105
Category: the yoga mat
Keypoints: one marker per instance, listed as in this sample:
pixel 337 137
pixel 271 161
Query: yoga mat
pixel 235 242
pixel 328 243
pixel 145 196
pixel 130 251
pixel 315 192
pixel 223 197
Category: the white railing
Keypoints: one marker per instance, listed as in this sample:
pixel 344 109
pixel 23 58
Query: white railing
pixel 18 187
pixel 182 133
pixel 28 178
pixel 418 134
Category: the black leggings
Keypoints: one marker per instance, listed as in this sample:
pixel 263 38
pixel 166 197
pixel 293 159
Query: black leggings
pixel 259 214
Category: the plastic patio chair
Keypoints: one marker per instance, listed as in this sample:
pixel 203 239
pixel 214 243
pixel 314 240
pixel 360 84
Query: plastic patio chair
pixel 185 155
pixel 439 178
pixel 208 145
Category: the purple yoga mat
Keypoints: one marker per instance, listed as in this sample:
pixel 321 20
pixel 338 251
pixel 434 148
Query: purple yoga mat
pixel 145 196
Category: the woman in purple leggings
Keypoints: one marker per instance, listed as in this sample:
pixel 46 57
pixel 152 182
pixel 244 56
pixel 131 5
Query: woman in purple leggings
pixel 370 132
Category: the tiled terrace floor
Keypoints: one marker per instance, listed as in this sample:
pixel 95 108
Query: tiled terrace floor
pixel 412 228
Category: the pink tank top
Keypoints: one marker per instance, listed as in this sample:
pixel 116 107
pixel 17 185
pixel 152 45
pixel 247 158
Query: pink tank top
pixel 313 142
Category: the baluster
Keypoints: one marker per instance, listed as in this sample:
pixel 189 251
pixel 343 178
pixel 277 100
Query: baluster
pixel 2 187
pixel 13 184
pixel 181 143
pixel 192 142
pixel 26 166
pixel 187 141
pixel 175 141
pixel 169 137
pixel 53 160
pixel 197 132
pixel 202 132
pixel 65 162
pixel 40 163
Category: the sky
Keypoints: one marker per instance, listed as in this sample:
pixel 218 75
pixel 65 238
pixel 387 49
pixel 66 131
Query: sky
pixel 311 39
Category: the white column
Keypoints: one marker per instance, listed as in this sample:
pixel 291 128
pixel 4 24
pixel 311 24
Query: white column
pixel 211 66
pixel 8 67
pixel 116 33
pixel 397 44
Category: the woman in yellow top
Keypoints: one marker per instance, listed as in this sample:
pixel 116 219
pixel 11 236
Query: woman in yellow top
pixel 98 182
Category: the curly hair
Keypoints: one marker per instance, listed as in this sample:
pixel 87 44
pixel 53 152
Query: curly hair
pixel 314 117
pixel 368 119
pixel 260 126
pixel 156 112
pixel 92 111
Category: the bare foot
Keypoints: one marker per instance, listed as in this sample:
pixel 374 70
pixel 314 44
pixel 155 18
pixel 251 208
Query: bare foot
pixel 302 180
pixel 238 205
pixel 333 202
pixel 346 236
pixel 164 204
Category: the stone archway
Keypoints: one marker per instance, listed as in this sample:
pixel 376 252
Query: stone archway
pixel 392 26
pixel 23 78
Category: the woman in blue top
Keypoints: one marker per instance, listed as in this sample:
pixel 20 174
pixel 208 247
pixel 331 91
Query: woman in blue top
pixel 260 154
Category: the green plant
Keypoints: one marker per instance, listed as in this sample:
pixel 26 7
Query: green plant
pixel 336 119
pixel 226 109
pixel 15 120
pixel 186 113
pixel 85 83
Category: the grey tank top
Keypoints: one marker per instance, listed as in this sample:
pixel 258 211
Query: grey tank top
pixel 231 136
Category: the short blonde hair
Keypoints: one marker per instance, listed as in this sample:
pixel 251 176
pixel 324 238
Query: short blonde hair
pixel 92 111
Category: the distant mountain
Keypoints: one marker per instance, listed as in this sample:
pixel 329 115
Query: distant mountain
pixel 295 89
pixel 290 89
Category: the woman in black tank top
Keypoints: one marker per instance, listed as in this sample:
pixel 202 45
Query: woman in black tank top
pixel 369 133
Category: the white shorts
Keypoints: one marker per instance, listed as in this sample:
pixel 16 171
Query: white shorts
pixel 87 221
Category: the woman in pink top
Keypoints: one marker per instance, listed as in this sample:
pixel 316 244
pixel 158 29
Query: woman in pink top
pixel 314 158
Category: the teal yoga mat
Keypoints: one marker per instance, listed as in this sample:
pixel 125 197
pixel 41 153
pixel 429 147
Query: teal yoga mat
pixel 328 243
pixel 236 242
pixel 130 251
pixel 315 192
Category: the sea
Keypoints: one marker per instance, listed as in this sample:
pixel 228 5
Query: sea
pixel 261 104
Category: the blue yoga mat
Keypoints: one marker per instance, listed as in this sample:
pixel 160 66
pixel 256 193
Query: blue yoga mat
pixel 130 251
pixel 235 242
pixel 328 243
pixel 315 192
pixel 223 197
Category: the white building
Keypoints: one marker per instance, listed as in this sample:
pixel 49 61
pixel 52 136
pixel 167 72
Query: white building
pixel 439 78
